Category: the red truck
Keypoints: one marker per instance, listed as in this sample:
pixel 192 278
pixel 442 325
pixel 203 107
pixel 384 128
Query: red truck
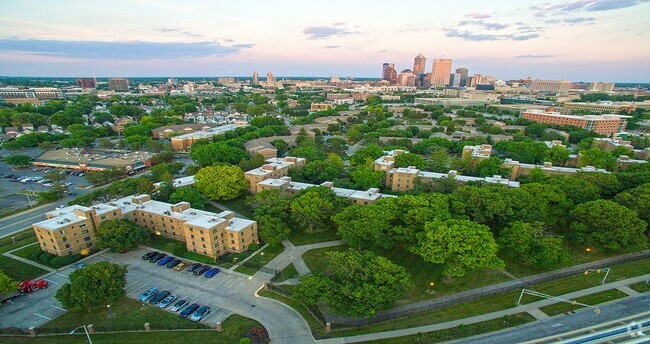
pixel 25 287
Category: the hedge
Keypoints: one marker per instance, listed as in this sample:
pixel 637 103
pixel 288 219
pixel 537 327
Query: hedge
pixel 65 260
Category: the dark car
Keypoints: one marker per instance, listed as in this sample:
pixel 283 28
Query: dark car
pixel 157 257
pixel 189 310
pixel 200 313
pixel 173 263
pixel 149 255
pixel 210 273
pixel 193 267
pixel 159 297
pixel 202 270
pixel 165 261
pixel 72 193
pixel 178 305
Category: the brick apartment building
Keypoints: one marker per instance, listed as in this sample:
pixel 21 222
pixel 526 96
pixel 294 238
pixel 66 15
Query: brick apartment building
pixel 601 124
pixel 274 168
pixel 71 230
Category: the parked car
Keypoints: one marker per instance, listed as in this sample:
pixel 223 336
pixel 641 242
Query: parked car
pixel 200 313
pixel 202 270
pixel 159 297
pixel 173 263
pixel 210 273
pixel 148 294
pixel 181 266
pixel 157 257
pixel 189 310
pixel 193 266
pixel 167 301
pixel 72 193
pixel 148 255
pixel 78 266
pixel 178 305
pixel 68 183
pixel 165 260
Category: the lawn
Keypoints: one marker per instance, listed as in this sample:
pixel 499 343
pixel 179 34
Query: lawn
pixel 641 287
pixel 288 272
pixel 24 237
pixel 18 270
pixel 177 248
pixel 592 300
pixel 238 205
pixel 301 238
pixel 260 259
pixel 462 331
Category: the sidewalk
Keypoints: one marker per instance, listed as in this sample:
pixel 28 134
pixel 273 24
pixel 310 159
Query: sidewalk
pixel 484 317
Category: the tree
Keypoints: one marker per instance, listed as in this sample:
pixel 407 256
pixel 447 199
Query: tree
pixel 272 230
pixel 637 199
pixel 105 143
pixel 7 285
pixel 597 158
pixel 487 204
pixel 271 202
pixel 45 145
pixel 312 211
pixel 365 177
pixel 578 190
pixel 608 226
pixel 120 235
pixel 191 195
pixel 490 167
pixel 220 182
pixel 281 146
pixel 206 155
pixel 355 283
pixel 55 176
pixel 410 159
pixel 95 285
pixel 18 160
pixel 319 171
pixel 557 155
pixel 439 161
pixel 362 154
pixel 461 246
pixel 366 226
pixel 532 243
pixel 159 170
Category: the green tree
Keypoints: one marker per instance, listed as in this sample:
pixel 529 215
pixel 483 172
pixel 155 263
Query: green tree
pixel 608 226
pixel 490 167
pixel 95 285
pixel 320 171
pixel 578 190
pixel 206 155
pixel 191 195
pixel 638 200
pixel 439 161
pixel 272 230
pixel 557 155
pixel 365 177
pixel 366 226
pixel 271 202
pixel 18 160
pixel 105 143
pixel 487 204
pixel 362 154
pixel 534 244
pixel 7 285
pixel 159 170
pixel 355 283
pixel 312 211
pixel 410 159
pixel 120 235
pixel 220 182
pixel 461 246
pixel 281 146
pixel 597 158
pixel 55 176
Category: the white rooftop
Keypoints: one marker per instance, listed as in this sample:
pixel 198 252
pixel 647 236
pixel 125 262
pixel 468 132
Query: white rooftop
pixel 210 132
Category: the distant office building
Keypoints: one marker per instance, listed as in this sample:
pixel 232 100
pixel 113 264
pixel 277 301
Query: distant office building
pixel 406 78
pixel 600 107
pixel 87 82
pixel 601 124
pixel 172 81
pixel 485 87
pixel 118 84
pixel 269 78
pixel 440 72
pixel 335 96
pixel 454 80
pixel 256 78
pixel 463 76
pixel 419 64
pixel 389 73
pixel 600 86
pixel 555 86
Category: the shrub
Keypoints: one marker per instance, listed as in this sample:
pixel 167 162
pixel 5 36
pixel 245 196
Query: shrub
pixel 253 247
pixel 65 260
pixel 46 257
pixel 35 255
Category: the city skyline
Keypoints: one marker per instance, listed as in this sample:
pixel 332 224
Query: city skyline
pixel 587 40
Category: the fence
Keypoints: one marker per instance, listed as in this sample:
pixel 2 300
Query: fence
pixel 259 267
pixel 110 328
pixel 461 297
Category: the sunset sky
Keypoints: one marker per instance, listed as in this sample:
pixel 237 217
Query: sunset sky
pixel 579 40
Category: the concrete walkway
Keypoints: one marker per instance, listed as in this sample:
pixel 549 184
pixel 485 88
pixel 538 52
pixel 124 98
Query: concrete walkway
pixel 484 317
pixel 294 254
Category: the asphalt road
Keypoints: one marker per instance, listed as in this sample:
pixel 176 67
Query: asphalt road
pixel 564 323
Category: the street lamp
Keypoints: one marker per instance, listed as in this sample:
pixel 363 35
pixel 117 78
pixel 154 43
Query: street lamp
pixel 110 314
pixel 85 330
pixel 431 285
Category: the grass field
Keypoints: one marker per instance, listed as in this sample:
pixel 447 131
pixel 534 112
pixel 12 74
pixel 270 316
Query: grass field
pixel 18 270
pixel 22 238
pixel 238 205
pixel 592 300
pixel 260 259
pixel 287 273
pixel 177 248
pixel 299 238
pixel 641 287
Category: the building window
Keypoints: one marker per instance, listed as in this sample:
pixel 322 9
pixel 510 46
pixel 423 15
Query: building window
pixel 232 242
pixel 67 245
pixel 103 217
pixel 84 231
pixel 203 245
pixel 82 225
pixel 87 238
pixel 115 213
pixel 62 231
pixel 89 245
pixel 64 239
pixel 192 236
pixel 202 239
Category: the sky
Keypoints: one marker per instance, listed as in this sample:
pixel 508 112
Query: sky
pixel 578 40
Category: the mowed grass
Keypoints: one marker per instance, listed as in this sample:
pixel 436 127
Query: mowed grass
pixel 177 248
pixel 301 238
pixel 641 287
pixel 288 272
pixel 19 271
pixel 22 238
pixel 592 300
pixel 260 259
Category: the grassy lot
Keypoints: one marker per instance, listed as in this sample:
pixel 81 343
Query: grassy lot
pixel 300 238
pixel 421 272
pixel 24 237
pixel 627 270
pixel 288 272
pixel 18 270
pixel 641 287
pixel 592 300
pixel 177 248
pixel 234 328
pixel 238 205
pixel 462 331
pixel 516 267
pixel 260 259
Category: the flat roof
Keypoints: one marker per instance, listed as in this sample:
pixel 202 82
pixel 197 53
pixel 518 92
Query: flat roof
pixel 586 117
pixel 93 159
pixel 210 132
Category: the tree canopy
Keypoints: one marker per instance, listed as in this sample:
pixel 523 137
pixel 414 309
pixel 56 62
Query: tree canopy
pixel 120 235
pixel 534 244
pixel 95 285
pixel 220 182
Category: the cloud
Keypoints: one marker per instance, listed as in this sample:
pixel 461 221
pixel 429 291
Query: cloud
pixel 331 46
pixel 583 5
pixel 606 5
pixel 243 45
pixel 119 50
pixel 167 29
pixel 532 56
pixel 485 25
pixel 478 15
pixel 579 20
pixel 179 31
pixel 474 36
pixel 479 30
pixel 324 32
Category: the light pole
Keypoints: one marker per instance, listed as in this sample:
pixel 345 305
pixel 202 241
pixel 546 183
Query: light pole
pixel 29 200
pixel 110 314
pixel 85 330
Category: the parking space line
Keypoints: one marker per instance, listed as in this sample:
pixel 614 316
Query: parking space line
pixel 62 275
pixel 59 308
pixel 42 316
pixel 224 280
pixel 193 302
pixel 230 285
pixel 130 285
pixel 50 281
pixel 211 312
pixel 144 285
pixel 105 256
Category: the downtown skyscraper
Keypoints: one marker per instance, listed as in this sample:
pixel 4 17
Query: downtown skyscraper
pixel 440 72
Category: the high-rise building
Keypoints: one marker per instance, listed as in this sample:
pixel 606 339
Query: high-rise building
pixel 406 78
pixel 600 86
pixel 269 78
pixel 419 64
pixel 172 81
pixel 256 78
pixel 463 76
pixel 118 84
pixel 454 80
pixel 389 73
pixel 440 72
pixel 87 82
pixel 556 86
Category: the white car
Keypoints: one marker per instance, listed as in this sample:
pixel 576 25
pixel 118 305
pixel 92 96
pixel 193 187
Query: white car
pixel 67 183
pixel 47 184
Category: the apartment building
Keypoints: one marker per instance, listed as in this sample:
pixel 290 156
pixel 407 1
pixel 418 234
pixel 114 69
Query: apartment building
pixel 72 229
pixel 183 142
pixel 387 162
pixel 320 106
pixel 600 107
pixel 613 143
pixel 274 168
pixel 477 153
pixel 601 124
pixel 518 169
pixel 403 179
pixel 261 147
